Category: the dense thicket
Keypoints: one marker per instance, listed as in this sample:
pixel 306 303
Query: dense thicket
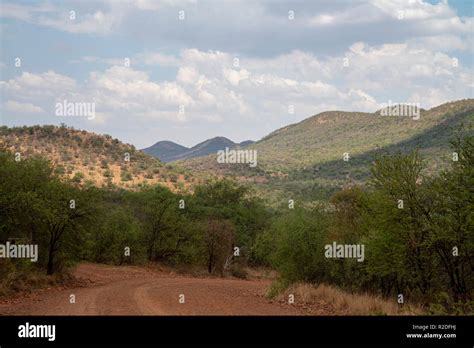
pixel 71 223
pixel 417 233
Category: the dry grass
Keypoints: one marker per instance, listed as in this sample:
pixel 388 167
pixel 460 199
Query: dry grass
pixel 25 282
pixel 338 302
pixel 85 152
pixel 261 273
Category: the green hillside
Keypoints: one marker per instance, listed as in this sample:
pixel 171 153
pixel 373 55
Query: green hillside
pixel 326 136
pixel 306 159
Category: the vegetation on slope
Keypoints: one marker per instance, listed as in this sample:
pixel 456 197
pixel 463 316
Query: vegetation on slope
pixel 327 136
pixel 89 158
pixel 422 249
pixel 305 162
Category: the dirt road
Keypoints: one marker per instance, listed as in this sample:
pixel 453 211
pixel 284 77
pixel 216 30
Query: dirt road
pixel 128 290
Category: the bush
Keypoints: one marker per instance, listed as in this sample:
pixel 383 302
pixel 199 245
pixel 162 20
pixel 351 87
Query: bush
pixel 297 245
pixel 125 176
pixel 77 178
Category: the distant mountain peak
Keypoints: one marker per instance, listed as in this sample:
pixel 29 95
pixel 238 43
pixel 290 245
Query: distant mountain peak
pixel 168 151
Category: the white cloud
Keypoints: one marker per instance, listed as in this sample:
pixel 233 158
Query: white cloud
pixel 38 86
pixel 157 58
pixel 153 5
pixel 358 13
pixel 235 76
pixel 258 93
pixel 122 90
pixel 187 75
pixel 322 20
pixel 97 22
pixel 24 12
pixel 318 26
pixel 444 43
pixel 151 59
pixel 29 108
pixel 414 9
pixel 108 61
pixel 208 84
pixel 282 62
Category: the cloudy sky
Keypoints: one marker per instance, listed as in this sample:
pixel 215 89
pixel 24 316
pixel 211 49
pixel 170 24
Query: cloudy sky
pixel 240 69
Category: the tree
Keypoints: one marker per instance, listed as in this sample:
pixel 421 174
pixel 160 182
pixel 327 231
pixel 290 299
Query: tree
pixel 166 228
pixel 35 206
pixel 398 224
pixel 66 212
pixel 452 236
pixel 296 245
pixel 118 230
pixel 219 242
pixel 347 218
pixel 20 201
pixel 227 200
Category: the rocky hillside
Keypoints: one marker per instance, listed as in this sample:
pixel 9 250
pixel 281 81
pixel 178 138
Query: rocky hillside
pixel 89 158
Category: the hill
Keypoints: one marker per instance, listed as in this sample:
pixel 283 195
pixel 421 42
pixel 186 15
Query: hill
pixel 89 158
pixel 168 151
pixel 165 151
pixel 306 158
pixel 327 136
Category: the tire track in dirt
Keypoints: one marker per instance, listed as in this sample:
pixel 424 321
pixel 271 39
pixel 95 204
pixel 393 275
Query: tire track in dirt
pixel 131 290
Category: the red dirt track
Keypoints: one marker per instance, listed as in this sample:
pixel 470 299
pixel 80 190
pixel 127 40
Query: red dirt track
pixel 127 290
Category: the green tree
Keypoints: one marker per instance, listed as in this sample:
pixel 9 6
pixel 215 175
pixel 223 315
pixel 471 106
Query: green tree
pixel 165 225
pixel 398 224
pixel 296 248
pixel 452 236
pixel 227 200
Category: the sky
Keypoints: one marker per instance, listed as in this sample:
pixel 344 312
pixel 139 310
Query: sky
pixel 187 71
